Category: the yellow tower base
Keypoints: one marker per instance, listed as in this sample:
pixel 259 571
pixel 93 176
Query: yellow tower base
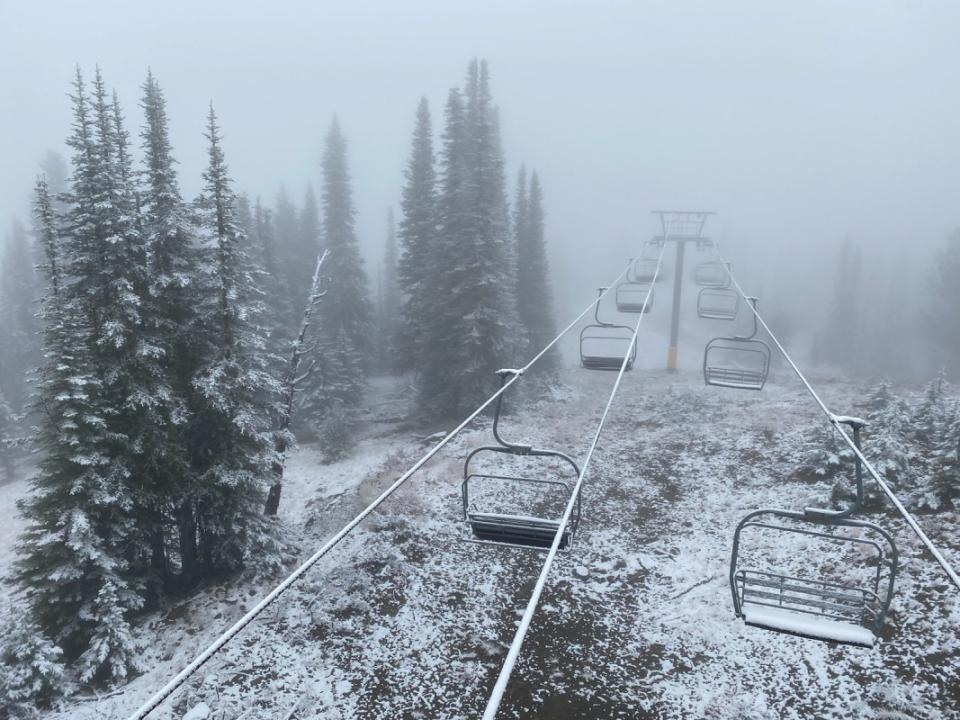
pixel 672 358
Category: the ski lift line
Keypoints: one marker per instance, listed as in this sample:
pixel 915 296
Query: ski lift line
pixel 496 695
pixel 835 421
pixel 167 690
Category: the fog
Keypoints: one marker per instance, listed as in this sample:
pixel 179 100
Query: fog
pixel 799 123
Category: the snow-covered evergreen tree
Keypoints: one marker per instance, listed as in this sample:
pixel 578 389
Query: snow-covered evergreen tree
pixel 82 535
pixel 294 262
pixel 344 315
pixel 885 443
pixel 170 317
pixel 233 450
pixel 942 317
pixel 473 268
pixel 388 304
pixel 7 430
pixel 276 293
pixel 827 457
pixel 417 234
pixel 20 349
pixel 308 245
pixel 31 670
pixel 945 458
pixel 445 275
pixel 930 412
pixel 534 297
pixel 838 341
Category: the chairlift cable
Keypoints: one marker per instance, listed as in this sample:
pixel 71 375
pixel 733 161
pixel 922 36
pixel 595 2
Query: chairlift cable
pixel 833 419
pixel 167 690
pixel 496 695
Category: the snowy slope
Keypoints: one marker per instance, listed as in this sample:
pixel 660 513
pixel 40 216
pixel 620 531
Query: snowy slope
pixel 403 620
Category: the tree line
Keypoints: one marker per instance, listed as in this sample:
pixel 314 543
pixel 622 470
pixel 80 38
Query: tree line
pixel 171 333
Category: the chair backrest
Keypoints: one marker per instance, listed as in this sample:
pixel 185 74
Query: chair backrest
pixel 634 297
pixel 718 304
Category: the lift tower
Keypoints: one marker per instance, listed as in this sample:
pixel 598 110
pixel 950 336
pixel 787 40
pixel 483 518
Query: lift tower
pixel 680 227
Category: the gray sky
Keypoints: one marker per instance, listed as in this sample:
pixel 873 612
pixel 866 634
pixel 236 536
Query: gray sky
pixel 798 121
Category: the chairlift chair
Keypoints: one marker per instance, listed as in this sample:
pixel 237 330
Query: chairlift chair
pixel 634 297
pixel 844 612
pixel 651 249
pixel 645 271
pixel 604 345
pixel 740 362
pixel 711 274
pixel 513 528
pixel 718 304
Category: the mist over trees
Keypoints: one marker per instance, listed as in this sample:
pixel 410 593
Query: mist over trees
pixel 160 332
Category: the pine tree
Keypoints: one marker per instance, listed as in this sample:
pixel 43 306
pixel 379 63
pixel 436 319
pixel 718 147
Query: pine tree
pixel 171 296
pixel 19 351
pixel 445 275
pixel 945 459
pixel 838 342
pixel 930 412
pixel 885 443
pixel 344 315
pixel 388 303
pixel 827 457
pixel 232 449
pixel 276 293
pixel 291 256
pixel 309 245
pixel 31 670
pixel 943 317
pixel 7 442
pixel 417 235
pixel 473 266
pixel 77 554
pixel 534 301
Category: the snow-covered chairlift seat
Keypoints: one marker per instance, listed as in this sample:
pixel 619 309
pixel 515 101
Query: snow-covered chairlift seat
pixel 812 607
pixel 634 297
pixel 740 362
pixel 603 345
pixel 518 529
pixel 718 304
pixel 645 271
pixel 711 274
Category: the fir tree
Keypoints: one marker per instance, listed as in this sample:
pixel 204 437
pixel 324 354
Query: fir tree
pixel 885 443
pixel 417 235
pixel 838 342
pixel 276 293
pixel 827 457
pixel 930 412
pixel 172 293
pixel 344 315
pixel 31 670
pixel 291 257
pixel 307 247
pixel 945 459
pixel 232 450
pixel 388 303
pixel 474 265
pixel 534 301
pixel 943 318
pixel 7 442
pixel 443 281
pixel 77 554
pixel 19 351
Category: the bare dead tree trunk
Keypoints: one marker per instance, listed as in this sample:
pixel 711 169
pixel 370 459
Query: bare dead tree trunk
pixel 291 380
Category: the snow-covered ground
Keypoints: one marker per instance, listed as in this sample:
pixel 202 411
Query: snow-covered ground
pixel 405 620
